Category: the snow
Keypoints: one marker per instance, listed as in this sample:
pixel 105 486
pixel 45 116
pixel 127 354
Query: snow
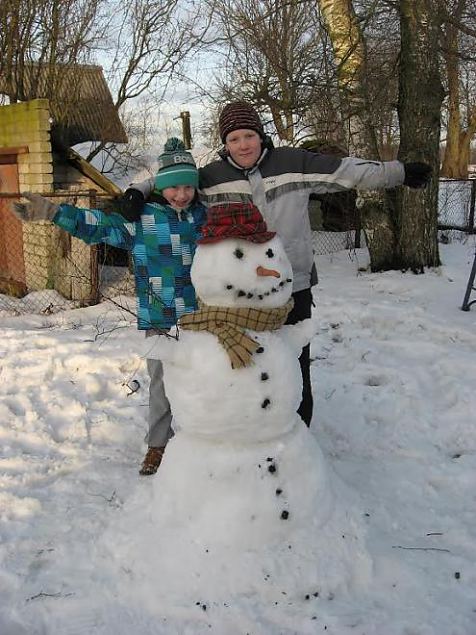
pixel 46 301
pixel 394 377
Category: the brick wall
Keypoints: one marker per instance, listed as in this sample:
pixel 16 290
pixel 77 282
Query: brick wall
pixel 28 124
pixel 52 259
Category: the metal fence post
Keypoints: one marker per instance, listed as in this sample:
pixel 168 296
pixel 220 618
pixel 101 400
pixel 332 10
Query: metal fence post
pixel 469 287
pixel 471 207
pixel 94 270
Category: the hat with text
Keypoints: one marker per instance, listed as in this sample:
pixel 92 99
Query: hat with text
pixel 176 166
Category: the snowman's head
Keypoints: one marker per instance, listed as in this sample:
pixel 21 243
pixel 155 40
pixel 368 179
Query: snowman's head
pixel 237 272
pixel 238 262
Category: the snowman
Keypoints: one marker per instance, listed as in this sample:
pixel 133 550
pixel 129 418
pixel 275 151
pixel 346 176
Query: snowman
pixel 233 373
pixel 244 493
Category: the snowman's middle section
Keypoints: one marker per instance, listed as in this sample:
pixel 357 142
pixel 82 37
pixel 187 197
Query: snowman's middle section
pixel 213 400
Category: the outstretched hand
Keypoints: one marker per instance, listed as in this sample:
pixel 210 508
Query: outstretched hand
pixel 36 209
pixel 417 174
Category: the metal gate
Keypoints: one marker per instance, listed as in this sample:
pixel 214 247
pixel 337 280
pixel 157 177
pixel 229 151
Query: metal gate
pixel 12 269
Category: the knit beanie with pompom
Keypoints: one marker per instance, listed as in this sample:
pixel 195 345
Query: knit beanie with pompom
pixel 176 166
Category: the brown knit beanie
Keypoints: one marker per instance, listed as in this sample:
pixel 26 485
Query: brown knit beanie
pixel 239 115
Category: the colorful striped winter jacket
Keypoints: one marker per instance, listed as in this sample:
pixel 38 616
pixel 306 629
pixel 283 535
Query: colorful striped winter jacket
pixel 162 244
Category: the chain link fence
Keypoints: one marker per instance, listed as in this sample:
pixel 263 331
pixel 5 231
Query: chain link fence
pixel 456 208
pixel 335 220
pixel 43 269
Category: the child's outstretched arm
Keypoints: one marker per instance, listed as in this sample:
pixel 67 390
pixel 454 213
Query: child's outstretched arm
pixel 327 173
pixel 37 208
pixel 91 226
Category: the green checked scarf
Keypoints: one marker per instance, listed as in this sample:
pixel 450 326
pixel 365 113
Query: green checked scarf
pixel 229 324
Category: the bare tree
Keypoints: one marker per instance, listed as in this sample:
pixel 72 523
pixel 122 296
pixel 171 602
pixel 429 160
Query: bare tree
pixel 380 27
pixel 351 64
pixel 38 35
pixel 142 42
pixel 350 52
pixel 402 233
pixel 139 120
pixel 274 52
pixel 460 65
pixel 150 41
pixel 278 55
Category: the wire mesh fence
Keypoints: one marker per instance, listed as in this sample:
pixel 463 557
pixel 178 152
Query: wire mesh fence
pixel 456 207
pixel 44 270
pixel 335 219
pixel 326 242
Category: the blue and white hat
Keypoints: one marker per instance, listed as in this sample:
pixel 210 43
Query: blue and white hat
pixel 176 166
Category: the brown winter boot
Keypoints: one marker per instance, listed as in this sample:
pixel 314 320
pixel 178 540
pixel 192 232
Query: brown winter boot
pixel 152 461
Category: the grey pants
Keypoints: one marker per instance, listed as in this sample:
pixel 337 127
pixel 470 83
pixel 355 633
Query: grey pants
pixel 160 416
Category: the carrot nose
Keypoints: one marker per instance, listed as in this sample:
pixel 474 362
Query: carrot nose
pixel 262 271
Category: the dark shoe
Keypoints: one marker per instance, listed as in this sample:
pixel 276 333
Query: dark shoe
pixel 151 461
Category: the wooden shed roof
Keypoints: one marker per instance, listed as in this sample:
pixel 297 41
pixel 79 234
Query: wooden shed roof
pixel 81 104
pixel 78 162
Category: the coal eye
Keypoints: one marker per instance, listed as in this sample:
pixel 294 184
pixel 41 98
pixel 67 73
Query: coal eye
pixel 238 253
pixel 270 253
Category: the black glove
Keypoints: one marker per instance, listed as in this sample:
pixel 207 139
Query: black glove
pixel 416 174
pixel 130 205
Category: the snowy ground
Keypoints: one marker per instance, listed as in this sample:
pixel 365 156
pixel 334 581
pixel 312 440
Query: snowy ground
pixel 394 375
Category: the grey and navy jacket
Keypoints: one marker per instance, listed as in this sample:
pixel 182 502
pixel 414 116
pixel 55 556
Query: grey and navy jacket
pixel 280 184
pixel 162 244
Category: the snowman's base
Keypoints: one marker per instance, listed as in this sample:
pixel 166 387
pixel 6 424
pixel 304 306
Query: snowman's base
pixel 265 520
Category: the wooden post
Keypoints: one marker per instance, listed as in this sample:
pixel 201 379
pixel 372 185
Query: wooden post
pixel 186 131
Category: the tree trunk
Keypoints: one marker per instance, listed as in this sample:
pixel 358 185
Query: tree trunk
pixel 350 55
pixel 451 160
pixel 419 109
pixel 466 137
pixel 283 122
pixel 450 165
